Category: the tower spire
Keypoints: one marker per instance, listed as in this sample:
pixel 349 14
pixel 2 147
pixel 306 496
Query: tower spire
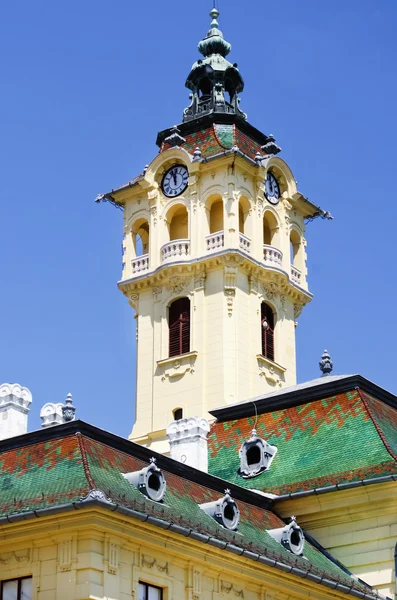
pixel 214 81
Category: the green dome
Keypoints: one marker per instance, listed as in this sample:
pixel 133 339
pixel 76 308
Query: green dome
pixel 214 43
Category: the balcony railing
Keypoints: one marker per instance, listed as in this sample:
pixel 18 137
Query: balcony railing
pixel 245 243
pixel 296 275
pixel 175 250
pixel 140 264
pixel 272 256
pixel 214 241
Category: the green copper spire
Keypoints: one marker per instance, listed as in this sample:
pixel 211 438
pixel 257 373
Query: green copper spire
pixel 214 43
pixel 214 81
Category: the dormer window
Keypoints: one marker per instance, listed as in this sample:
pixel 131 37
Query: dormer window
pixel 224 511
pixel 150 481
pixel 291 537
pixel 256 456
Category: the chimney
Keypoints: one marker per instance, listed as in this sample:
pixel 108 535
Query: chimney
pixel 188 442
pixel 14 407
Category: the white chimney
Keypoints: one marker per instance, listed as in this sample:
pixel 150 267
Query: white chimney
pixel 14 407
pixel 188 442
pixel 51 414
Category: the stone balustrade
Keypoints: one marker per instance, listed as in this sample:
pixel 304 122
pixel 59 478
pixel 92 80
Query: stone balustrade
pixel 140 264
pixel 296 275
pixel 214 241
pixel 175 250
pixel 272 256
pixel 245 243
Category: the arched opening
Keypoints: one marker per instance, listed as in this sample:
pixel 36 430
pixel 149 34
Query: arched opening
pixel 269 229
pixel 178 223
pixel 179 327
pixel 178 414
pixel 244 223
pixel 295 243
pixel 267 329
pixel 253 455
pixel 216 216
pixel 140 236
pixel 241 218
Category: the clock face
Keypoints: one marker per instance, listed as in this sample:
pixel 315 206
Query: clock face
pixel 175 181
pixel 272 189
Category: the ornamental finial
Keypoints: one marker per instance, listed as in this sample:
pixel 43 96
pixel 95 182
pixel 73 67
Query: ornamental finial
pixel 214 14
pixel 68 410
pixel 326 364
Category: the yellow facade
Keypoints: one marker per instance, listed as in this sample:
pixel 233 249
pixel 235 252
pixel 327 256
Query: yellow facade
pixel 92 554
pixel 358 527
pixel 226 273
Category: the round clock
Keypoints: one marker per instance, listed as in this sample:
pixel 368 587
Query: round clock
pixel 272 189
pixel 175 181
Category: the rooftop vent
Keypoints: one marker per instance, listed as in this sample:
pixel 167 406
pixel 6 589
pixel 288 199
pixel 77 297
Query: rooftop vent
pixel 149 481
pixel 256 456
pixel 224 511
pixel 291 537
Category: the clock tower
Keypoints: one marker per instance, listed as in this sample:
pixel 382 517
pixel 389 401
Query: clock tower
pixel 214 256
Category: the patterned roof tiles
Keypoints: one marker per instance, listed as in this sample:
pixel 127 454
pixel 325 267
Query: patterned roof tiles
pixel 54 471
pixel 321 443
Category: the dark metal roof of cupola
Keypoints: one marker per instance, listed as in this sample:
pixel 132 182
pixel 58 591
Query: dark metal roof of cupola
pixel 213 78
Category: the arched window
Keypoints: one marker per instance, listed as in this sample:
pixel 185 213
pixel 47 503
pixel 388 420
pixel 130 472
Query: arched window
pixel 140 233
pixel 179 224
pixel 241 218
pixel 179 327
pixel 269 229
pixel 295 249
pixel 216 216
pixel 267 326
pixel 178 414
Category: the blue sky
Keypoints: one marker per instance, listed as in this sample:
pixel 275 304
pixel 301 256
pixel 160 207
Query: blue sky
pixel 86 87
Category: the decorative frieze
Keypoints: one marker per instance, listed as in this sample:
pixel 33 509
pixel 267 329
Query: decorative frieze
pixel 149 563
pixel 133 301
pixel 229 283
pixel 176 284
pixel 228 588
pixel 157 291
pixel 14 558
pixel 112 556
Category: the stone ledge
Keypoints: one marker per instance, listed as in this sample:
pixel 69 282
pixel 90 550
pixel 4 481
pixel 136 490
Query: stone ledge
pixel 272 371
pixel 177 366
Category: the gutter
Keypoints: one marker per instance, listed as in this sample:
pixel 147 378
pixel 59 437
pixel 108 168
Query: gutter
pixel 337 487
pixel 97 498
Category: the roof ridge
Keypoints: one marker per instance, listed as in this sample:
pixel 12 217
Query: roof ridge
pixel 85 460
pixel 378 429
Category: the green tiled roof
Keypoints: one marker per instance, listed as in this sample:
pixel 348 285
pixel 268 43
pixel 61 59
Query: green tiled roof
pixel 325 442
pixel 216 138
pixel 52 472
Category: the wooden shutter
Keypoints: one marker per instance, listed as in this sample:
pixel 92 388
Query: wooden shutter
pixel 267 332
pixel 179 327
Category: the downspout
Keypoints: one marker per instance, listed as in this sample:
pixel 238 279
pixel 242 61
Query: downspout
pixel 395 569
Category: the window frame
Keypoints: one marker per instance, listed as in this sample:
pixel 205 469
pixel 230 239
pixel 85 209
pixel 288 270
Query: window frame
pixel 19 589
pixel 150 585
pixel 178 325
pixel 270 332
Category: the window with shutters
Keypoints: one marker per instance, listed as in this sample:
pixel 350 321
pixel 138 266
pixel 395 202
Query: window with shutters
pixel 16 589
pixel 267 327
pixel 179 327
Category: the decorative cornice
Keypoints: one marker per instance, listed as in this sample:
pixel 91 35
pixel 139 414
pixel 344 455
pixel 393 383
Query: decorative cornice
pixel 230 257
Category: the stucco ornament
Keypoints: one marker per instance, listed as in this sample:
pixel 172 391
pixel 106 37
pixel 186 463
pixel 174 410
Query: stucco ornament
pixel 178 284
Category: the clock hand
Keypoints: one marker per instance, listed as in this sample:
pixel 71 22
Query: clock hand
pixel 174 176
